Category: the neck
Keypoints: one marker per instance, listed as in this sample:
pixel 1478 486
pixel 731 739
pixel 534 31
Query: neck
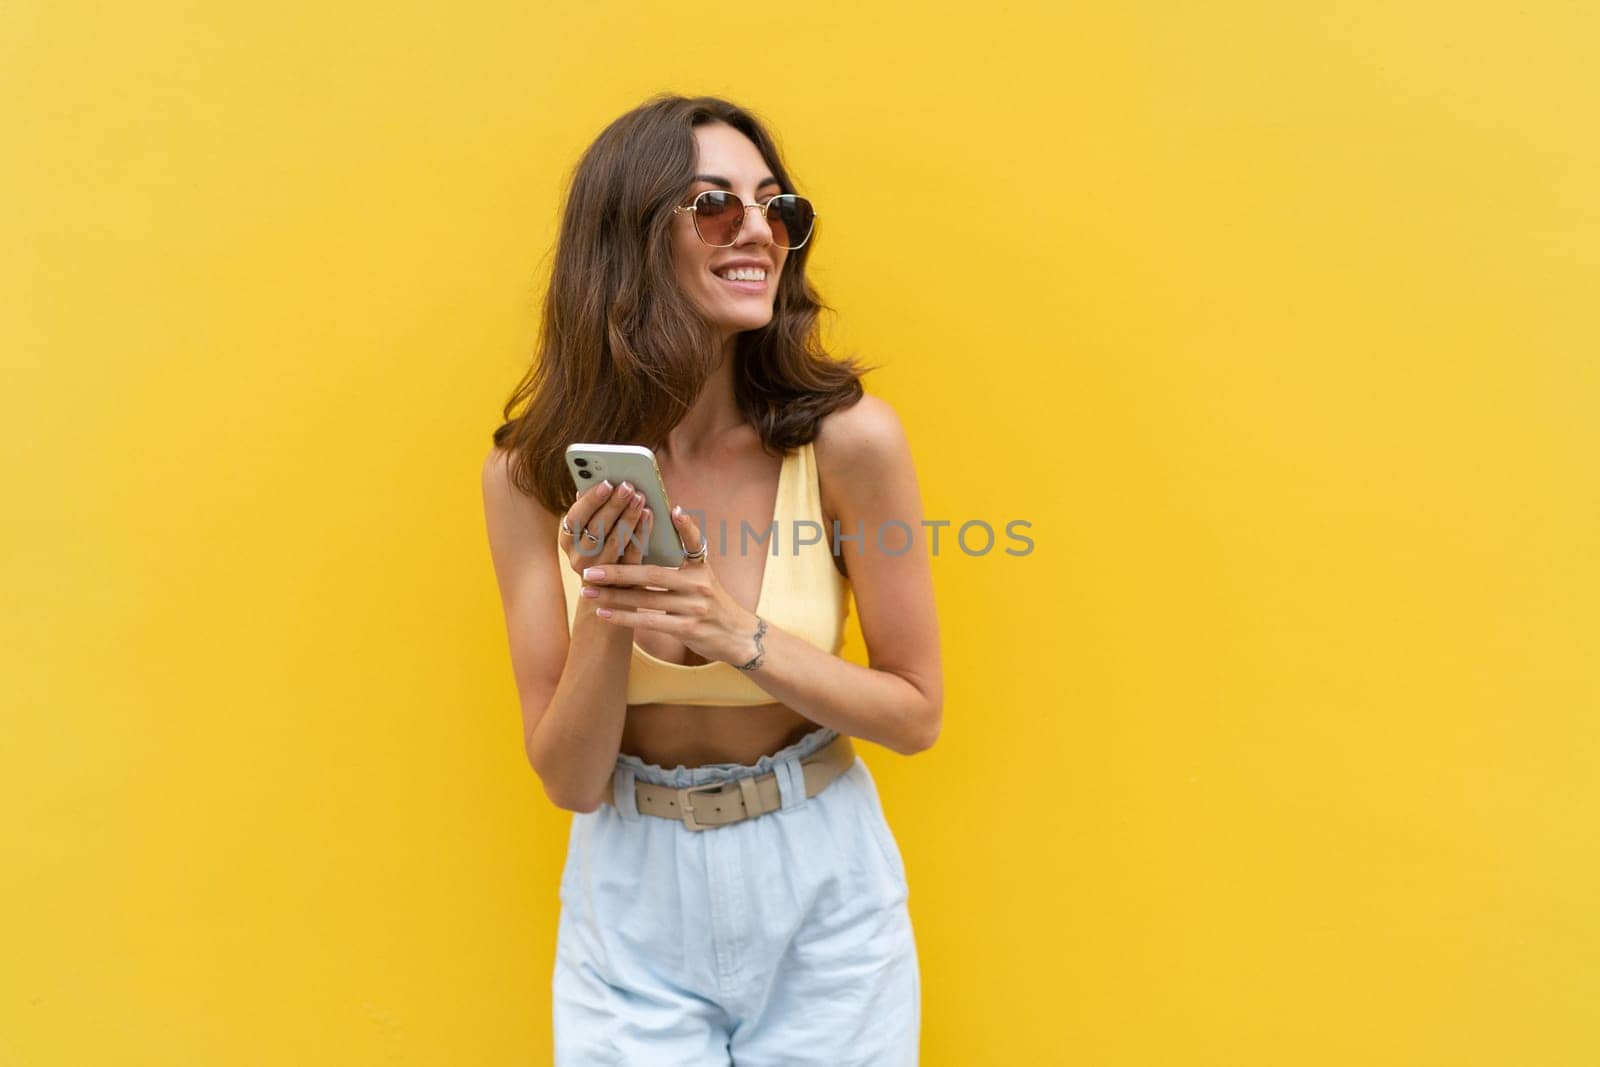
pixel 714 413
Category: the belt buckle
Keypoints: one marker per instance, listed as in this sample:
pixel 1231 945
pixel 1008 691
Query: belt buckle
pixel 686 811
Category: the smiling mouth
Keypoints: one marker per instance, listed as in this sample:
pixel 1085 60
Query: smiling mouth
pixel 746 285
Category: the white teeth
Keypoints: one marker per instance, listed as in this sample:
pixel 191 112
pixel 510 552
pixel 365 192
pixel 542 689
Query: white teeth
pixel 744 274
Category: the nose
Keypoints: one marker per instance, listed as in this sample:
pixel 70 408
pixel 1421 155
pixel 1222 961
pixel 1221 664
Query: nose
pixel 754 229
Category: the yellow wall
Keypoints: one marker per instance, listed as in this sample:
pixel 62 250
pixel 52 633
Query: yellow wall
pixel 1276 320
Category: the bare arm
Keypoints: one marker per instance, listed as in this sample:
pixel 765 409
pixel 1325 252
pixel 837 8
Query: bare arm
pixel 897 701
pixel 572 690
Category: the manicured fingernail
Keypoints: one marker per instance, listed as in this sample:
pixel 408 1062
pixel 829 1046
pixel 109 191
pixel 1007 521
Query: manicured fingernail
pixel 588 590
pixel 604 488
pixel 604 613
pixel 677 511
pixel 594 573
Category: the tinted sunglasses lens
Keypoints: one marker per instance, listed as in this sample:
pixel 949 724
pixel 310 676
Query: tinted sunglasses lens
pixel 717 216
pixel 790 218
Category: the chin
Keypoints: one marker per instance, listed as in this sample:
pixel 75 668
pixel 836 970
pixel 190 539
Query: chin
pixel 744 323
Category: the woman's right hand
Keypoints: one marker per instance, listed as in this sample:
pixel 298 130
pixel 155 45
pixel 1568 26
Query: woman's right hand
pixel 613 514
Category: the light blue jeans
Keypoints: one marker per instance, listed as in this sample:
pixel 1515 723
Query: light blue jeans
pixel 782 939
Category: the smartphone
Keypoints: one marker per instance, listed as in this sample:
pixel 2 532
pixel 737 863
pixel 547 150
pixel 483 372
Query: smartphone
pixel 592 464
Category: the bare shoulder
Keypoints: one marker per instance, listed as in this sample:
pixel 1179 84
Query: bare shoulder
pixel 512 514
pixel 497 470
pixel 864 461
pixel 865 437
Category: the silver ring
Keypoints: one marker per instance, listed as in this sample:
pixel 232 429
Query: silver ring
pixel 698 554
pixel 571 533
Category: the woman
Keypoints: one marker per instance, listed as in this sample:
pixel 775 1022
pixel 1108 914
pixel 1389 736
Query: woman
pixel 732 892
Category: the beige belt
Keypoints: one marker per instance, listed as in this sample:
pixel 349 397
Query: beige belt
pixel 705 807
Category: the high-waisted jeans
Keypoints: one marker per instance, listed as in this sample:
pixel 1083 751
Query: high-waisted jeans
pixel 781 939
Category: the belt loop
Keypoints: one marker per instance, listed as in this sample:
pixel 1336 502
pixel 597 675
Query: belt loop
pixel 622 793
pixel 751 796
pixel 791 783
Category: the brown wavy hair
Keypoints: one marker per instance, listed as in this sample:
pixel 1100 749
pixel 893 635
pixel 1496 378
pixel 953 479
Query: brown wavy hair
pixel 622 351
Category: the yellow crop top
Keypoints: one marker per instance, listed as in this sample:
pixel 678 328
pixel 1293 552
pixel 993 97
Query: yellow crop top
pixel 802 593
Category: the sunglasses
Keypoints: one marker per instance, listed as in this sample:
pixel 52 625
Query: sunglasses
pixel 719 215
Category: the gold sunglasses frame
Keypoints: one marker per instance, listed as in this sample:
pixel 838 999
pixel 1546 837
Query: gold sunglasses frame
pixel 764 207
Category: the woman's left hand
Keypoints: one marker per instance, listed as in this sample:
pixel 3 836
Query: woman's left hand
pixel 694 607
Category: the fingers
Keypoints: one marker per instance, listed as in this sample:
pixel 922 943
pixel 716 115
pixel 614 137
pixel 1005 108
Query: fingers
pixel 598 507
pixel 641 599
pixel 593 518
pixel 688 533
pixel 620 537
pixel 586 504
pixel 634 551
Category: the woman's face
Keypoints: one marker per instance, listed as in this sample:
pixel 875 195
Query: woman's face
pixel 729 160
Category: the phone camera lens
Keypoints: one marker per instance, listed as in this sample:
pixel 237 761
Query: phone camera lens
pixel 586 474
pixel 580 461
